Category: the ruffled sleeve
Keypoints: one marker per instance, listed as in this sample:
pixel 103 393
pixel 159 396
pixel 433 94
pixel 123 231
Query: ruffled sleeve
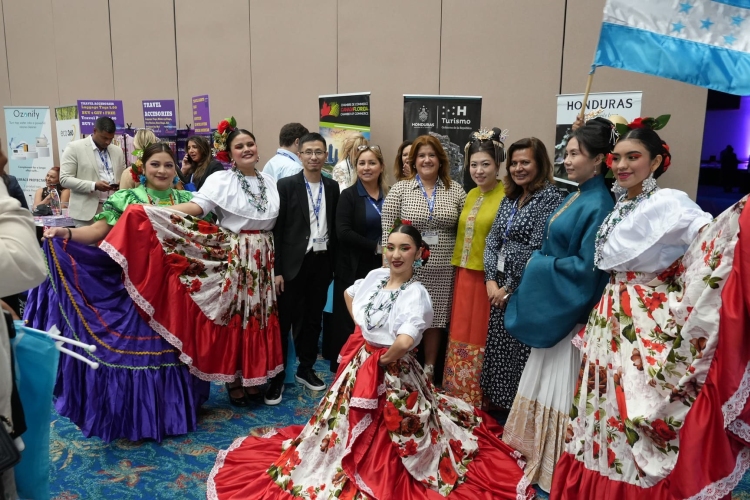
pixel 663 225
pixel 412 312
pixel 116 205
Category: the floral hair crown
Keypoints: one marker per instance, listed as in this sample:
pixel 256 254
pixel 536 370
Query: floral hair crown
pixel 495 135
pixel 657 123
pixel 224 128
pixel 398 223
pixel 136 168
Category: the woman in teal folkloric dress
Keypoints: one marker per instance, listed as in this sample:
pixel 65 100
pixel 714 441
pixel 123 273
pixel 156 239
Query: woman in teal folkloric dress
pixel 557 292
pixel 141 389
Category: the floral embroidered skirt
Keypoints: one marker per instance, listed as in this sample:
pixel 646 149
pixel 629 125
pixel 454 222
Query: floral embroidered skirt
pixel 660 410
pixel 468 335
pixel 375 434
pixel 209 292
pixel 141 390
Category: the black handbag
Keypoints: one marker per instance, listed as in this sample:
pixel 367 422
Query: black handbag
pixel 9 454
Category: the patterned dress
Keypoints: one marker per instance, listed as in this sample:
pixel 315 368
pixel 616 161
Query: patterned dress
pixel 406 201
pixel 660 409
pixel 505 357
pixel 376 423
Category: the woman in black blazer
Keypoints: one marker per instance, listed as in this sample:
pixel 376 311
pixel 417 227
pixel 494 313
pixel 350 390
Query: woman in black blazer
pixel 359 250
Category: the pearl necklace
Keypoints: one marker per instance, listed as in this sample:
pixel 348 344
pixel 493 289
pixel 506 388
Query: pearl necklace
pixel 622 209
pixel 386 306
pixel 259 200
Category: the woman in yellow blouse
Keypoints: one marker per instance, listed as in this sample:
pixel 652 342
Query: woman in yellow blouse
pixel 471 308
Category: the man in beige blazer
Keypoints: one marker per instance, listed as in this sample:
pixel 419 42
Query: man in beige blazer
pixel 91 168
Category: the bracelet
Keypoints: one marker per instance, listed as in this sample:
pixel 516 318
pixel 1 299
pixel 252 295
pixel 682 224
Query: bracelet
pixel 70 233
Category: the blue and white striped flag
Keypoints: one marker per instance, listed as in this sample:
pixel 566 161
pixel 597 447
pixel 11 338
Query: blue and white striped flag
pixel 702 42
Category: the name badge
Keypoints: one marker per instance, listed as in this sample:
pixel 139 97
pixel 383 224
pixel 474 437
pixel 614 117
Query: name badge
pixel 501 261
pixel 431 238
pixel 319 245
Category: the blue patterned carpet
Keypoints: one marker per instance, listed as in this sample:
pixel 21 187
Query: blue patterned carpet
pixel 84 469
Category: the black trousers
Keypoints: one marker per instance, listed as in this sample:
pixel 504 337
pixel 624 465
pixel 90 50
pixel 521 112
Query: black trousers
pixel 301 307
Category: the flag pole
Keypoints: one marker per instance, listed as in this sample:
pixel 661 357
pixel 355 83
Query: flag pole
pixel 588 90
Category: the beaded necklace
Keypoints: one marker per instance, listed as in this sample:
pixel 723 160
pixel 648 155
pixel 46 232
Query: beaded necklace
pixel 259 200
pixel 622 209
pixel 386 306
pixel 152 202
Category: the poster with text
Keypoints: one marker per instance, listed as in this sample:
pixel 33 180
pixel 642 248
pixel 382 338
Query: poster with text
pixel 89 111
pixel 29 146
pixel 201 115
pixel 341 116
pixel 451 119
pixel 160 117
pixel 605 104
pixel 66 123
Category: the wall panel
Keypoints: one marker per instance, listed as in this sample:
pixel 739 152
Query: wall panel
pixel 144 57
pixel 509 53
pixel 4 81
pixel 213 57
pixel 686 103
pixel 294 61
pixel 82 50
pixel 381 50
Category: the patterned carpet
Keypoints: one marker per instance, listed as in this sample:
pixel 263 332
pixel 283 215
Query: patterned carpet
pixel 83 469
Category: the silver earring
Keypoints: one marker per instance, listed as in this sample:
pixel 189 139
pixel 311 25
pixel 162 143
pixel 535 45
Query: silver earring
pixel 618 190
pixel 649 183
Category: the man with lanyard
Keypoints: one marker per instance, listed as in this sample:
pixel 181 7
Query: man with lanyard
pixel 90 168
pixel 286 161
pixel 305 244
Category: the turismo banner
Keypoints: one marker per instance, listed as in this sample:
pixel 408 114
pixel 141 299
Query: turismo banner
pixel 605 104
pixel 160 117
pixel 66 122
pixel 201 115
pixel 342 116
pixel 451 118
pixel 29 131
pixel 89 111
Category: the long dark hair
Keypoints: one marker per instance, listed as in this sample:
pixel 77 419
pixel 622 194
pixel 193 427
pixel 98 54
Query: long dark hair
pixel 204 149
pixel 398 165
pixel 653 144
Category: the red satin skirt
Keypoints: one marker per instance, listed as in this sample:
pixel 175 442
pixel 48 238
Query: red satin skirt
pixel 368 443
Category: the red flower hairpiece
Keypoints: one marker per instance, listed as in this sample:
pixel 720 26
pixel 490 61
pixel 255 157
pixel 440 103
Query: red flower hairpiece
pixel 609 160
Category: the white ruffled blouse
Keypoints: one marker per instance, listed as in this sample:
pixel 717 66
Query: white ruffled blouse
pixel 222 194
pixel 411 313
pixel 655 234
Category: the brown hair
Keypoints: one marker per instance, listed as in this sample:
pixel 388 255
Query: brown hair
pixel 379 156
pixel 544 166
pixel 398 165
pixel 199 168
pixel 349 149
pixel 443 169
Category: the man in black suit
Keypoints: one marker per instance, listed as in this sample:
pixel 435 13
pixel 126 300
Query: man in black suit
pixel 305 242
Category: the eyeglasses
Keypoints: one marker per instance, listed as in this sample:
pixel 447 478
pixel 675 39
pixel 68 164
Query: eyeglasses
pixel 365 147
pixel 317 152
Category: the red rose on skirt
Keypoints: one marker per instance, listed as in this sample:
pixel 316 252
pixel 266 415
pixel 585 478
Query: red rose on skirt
pixel 195 286
pixel 661 428
pixel 409 449
pixel 411 400
pixel 447 472
pixel 596 450
pixel 457 449
pixel 392 417
pixel 409 425
pixel 207 228
pixel 610 457
pixel 177 261
pixel 348 491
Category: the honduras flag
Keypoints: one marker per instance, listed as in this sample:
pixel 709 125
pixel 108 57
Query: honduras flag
pixel 702 42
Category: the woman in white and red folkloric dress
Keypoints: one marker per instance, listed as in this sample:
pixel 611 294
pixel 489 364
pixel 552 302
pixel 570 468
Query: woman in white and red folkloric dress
pixel 660 411
pixel 207 289
pixel 381 431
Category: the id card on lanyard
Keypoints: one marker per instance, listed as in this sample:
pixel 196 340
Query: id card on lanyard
pixel 377 206
pixel 430 236
pixel 502 255
pixel 319 244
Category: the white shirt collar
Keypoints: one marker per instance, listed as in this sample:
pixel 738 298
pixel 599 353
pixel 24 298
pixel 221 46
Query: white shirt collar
pixel 94 146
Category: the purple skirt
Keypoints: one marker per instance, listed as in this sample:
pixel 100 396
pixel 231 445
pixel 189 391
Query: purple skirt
pixel 141 389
